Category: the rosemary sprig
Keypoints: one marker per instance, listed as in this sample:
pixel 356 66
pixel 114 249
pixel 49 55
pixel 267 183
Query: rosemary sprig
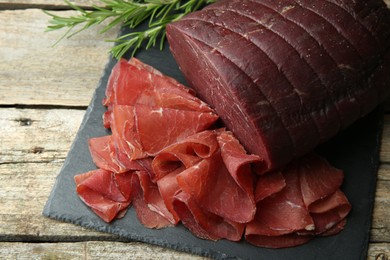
pixel 129 13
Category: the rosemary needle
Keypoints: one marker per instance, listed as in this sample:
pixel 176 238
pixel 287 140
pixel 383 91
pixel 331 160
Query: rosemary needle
pixel 131 13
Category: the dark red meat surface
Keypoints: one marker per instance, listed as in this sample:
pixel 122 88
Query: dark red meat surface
pixel 294 72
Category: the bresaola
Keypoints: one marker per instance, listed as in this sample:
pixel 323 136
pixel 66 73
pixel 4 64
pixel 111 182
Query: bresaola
pixel 167 158
pixel 295 71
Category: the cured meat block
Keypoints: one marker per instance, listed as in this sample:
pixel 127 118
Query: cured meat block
pixel 286 75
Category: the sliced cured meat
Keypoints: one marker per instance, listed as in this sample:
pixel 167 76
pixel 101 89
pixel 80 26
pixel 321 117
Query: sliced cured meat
pixel 318 179
pixel 168 188
pixel 148 204
pixel 210 165
pixel 301 201
pixel 288 240
pixel 328 213
pixel 104 154
pixel 106 193
pixel 166 158
pixel 284 212
pixel 204 224
pixel 322 51
pixel 238 162
pixel 124 133
pixel 133 82
pixel 210 179
pixel 269 184
pixel 185 153
pixel 158 127
pixel 141 130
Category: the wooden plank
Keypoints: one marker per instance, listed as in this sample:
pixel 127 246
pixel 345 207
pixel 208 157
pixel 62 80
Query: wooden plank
pixel 379 251
pixel 40 74
pixel 385 142
pixel 90 250
pixel 51 4
pixel 24 189
pixel 118 250
pixel 380 231
pixel 37 135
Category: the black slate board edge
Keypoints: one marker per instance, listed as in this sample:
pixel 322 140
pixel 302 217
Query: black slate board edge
pixel 218 250
pixel 107 69
pixel 375 167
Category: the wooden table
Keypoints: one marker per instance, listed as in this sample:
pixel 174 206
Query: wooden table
pixel 44 92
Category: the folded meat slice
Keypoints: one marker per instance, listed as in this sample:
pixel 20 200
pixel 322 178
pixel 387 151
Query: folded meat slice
pixel 269 184
pixel 141 131
pixel 204 224
pixel 329 212
pixel 133 82
pixel 104 154
pixel 214 169
pixel 185 153
pixel 282 213
pixel 106 193
pixel 148 203
pixel 318 179
pixel 306 203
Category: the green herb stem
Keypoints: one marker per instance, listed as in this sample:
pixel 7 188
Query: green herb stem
pixel 129 13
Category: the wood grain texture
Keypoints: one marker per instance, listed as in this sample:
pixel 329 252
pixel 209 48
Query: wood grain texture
pixel 51 4
pixel 90 250
pixel 40 74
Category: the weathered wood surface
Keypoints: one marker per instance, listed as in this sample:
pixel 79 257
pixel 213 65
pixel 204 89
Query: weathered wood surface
pixel 40 74
pixel 51 4
pixel 43 93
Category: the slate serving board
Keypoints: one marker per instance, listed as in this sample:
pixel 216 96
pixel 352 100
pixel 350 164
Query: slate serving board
pixel 356 151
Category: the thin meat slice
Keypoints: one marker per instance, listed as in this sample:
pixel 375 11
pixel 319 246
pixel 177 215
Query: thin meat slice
pixel 238 162
pixel 168 188
pixel 133 82
pixel 135 128
pixel 185 153
pixel 329 212
pixel 106 193
pixel 171 125
pixel 204 224
pixel 124 134
pixel 309 203
pixel 318 179
pixel 282 213
pixel 210 165
pixel 104 154
pixel 209 180
pixel 288 240
pixel 148 204
pixel 269 184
